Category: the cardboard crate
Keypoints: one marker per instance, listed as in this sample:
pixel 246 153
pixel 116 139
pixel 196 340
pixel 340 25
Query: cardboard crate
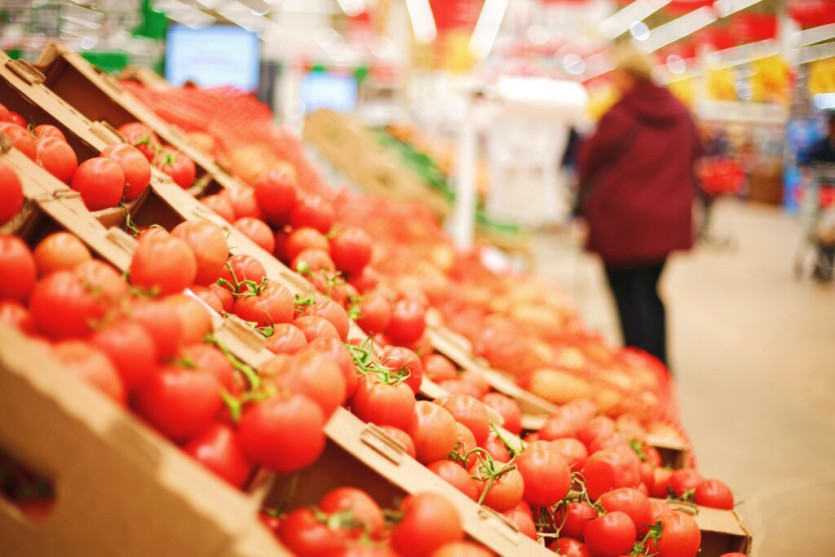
pixel 722 531
pixel 100 98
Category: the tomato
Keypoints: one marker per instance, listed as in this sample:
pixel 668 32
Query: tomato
pixel 217 449
pixel 715 494
pixel 469 412
pixel 317 377
pixel 275 192
pixel 652 455
pixel 312 211
pixel 257 231
pixel 610 535
pixel 684 480
pixel 56 157
pixel 505 493
pixel 362 548
pixel 11 193
pixel 600 426
pixel 455 475
pixel 351 249
pixel 283 433
pixel 458 387
pixel 78 307
pixel 429 522
pixel 333 313
pixel 465 443
pixel 557 426
pixel 522 521
pixel 407 322
pixel 438 367
pixel 165 264
pixel 48 130
pixel 91 366
pixel 208 243
pixel 477 380
pixel 16 118
pixel 303 533
pixel 21 139
pixel 398 435
pixel 103 281
pixel 141 136
pixel 397 358
pixel 338 354
pixel 134 165
pixel 195 321
pixel 572 451
pixel 311 261
pixel 462 549
pixel 212 360
pixel 680 536
pixel 315 327
pixel 273 305
pixel 546 474
pixel 220 205
pixel 383 403
pixel 244 268
pixel 179 402
pixel 243 203
pixel 14 314
pixel 100 181
pixel 178 166
pixel 610 469
pixel 433 430
pixel 286 339
pixel 567 547
pixel 367 280
pixel 224 295
pixel 363 509
pixel 661 483
pixel 131 350
pixel 576 516
pixel 630 501
pixel 60 251
pixel 302 239
pixel 657 507
pixel 208 297
pixel 608 441
pixel 270 521
pixel 496 448
pixel 162 323
pixel 18 269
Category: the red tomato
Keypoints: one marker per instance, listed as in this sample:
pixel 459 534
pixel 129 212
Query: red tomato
pixel 610 469
pixel 302 239
pixel 179 402
pixel 429 522
pixel 286 339
pixel 208 243
pixel 318 378
pixel 363 509
pixel 469 412
pixel 609 441
pixel 657 507
pixel 456 476
pixel 178 166
pixel 14 314
pixel 56 157
pixel 311 261
pixel 383 403
pixel 661 483
pixel 496 448
pixel 351 249
pixel 523 521
pixel 610 535
pixel 16 118
pixel 462 549
pixel 572 451
pixel 437 367
pixel 21 139
pixel 546 474
pixel 367 280
pixel 507 408
pixel 131 350
pixel 312 211
pixel 401 437
pixel 397 358
pixel 407 322
pixel 363 548
pixel 477 380
pixel 47 130
pixel 577 515
pixel 273 305
pixel 333 313
pixel 11 193
pixel 275 192
pixel 162 323
pixel 100 181
pixel 315 327
pixel 432 428
pixel 680 536
pixel 567 547
pixel 505 493
pixel 166 264
pixel 212 360
pixel 227 300
pixel 243 203
pixel 374 313
pixel 18 269
pixel 600 426
pixel 217 449
pixel 91 366
pixel 338 354
pixel 141 136
pixel 105 282
pixel 715 494
pixel 208 297
pixel 283 433
pixel 465 443
pixel 630 501
pixel 684 480
pixel 195 320
pixel 244 268
pixel 270 521
pixel 135 166
pixel 558 426
pixel 304 534
pixel 78 307
pixel 257 231
pixel 458 387
pixel 220 205
pixel 60 251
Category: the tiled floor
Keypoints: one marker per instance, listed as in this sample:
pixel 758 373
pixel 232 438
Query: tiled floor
pixel 754 354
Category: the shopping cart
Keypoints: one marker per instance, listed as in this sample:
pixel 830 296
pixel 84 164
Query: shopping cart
pixel 815 254
pixel 718 177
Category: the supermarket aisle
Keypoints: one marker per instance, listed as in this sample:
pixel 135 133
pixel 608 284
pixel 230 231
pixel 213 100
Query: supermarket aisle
pixel 754 352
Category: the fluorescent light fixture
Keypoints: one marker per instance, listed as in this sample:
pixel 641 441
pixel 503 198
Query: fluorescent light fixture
pixel 639 31
pixel 816 52
pixel 726 7
pixel 815 34
pixel 423 22
pixel 619 22
pixel 487 28
pixel 677 29
pixel 352 7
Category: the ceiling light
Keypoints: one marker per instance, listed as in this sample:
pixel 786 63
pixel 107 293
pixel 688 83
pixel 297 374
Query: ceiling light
pixel 678 29
pixel 639 31
pixel 620 22
pixel 423 22
pixel 487 28
pixel 676 64
pixel 726 7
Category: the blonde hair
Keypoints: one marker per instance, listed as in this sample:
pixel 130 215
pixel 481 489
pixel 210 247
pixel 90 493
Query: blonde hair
pixel 632 62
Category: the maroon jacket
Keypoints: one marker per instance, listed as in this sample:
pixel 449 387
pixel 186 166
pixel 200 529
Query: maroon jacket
pixel 637 169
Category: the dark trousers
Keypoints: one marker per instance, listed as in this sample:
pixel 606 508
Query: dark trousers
pixel 642 318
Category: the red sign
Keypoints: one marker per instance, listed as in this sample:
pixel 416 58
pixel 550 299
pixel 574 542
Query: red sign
pixel 456 14
pixel 753 27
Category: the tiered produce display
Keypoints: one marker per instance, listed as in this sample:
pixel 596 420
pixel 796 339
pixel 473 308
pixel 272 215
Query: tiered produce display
pixel 294 340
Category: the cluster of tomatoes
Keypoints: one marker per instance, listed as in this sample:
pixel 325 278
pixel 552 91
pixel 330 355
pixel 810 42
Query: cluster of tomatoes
pixel 347 522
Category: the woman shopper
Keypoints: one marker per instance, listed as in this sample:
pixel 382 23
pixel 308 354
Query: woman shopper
pixel 637 189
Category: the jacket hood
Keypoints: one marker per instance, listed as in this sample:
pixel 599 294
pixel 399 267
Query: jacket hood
pixel 652 104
